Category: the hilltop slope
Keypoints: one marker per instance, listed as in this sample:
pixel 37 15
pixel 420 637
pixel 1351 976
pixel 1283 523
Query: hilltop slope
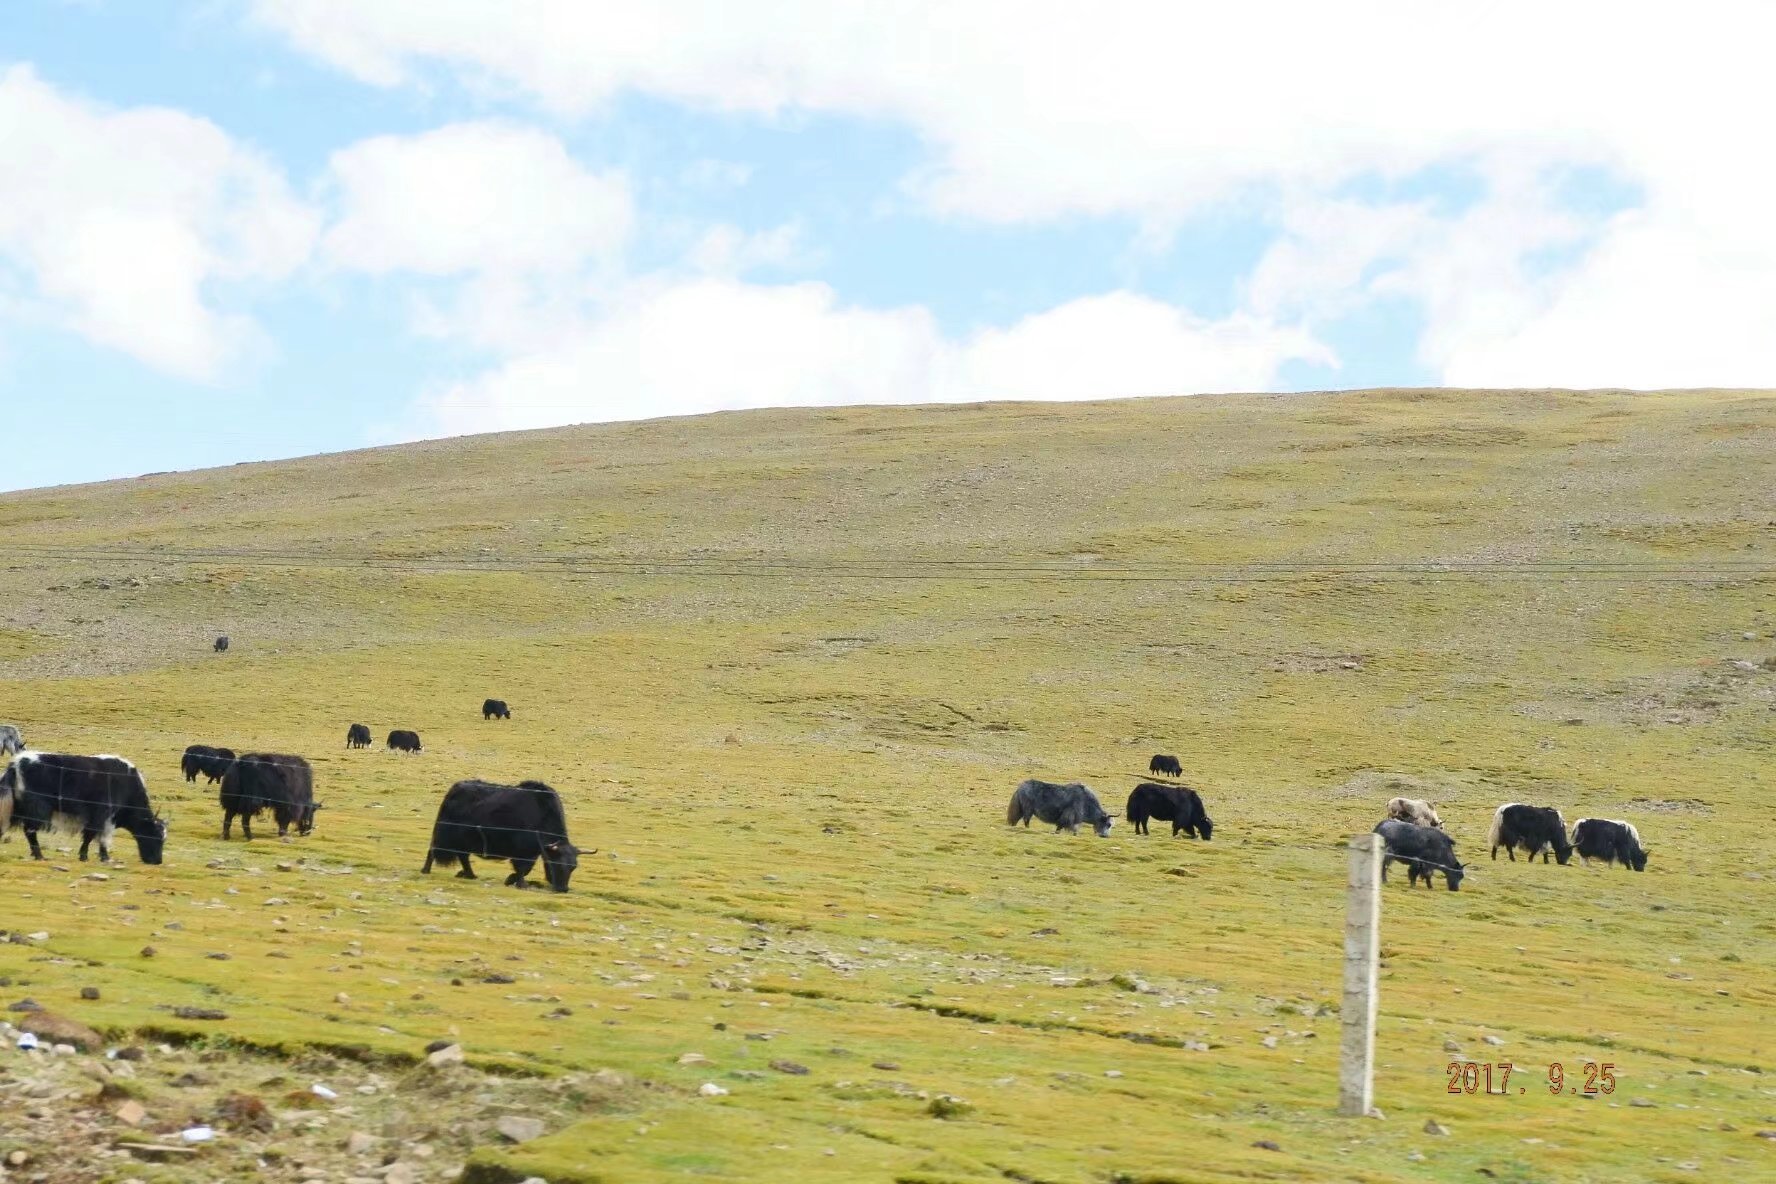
pixel 786 667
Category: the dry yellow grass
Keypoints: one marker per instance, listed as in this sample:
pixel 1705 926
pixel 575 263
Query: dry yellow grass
pixel 797 781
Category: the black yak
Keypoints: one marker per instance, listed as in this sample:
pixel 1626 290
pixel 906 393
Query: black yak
pixel 402 740
pixel 1423 849
pixel 1537 829
pixel 522 823
pixel 211 762
pixel 222 643
pixel 1176 804
pixel 358 736
pixel 1165 766
pixel 272 781
pixel 1610 840
pixel 495 709
pixel 1064 807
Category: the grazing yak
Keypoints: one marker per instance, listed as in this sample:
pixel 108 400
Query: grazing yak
pixel 92 794
pixel 522 823
pixel 1176 804
pixel 1610 840
pixel 402 740
pixel 1165 766
pixel 272 781
pixel 358 736
pixel 495 709
pixel 211 762
pixel 11 740
pixel 1412 810
pixel 1062 806
pixel 1423 849
pixel 1536 829
pixel 222 643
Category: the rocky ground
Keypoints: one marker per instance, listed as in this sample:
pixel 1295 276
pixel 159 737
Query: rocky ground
pixel 76 1109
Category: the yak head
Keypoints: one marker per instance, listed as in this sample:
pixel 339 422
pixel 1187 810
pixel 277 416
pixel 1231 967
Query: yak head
pixel 560 858
pixel 1563 852
pixel 1452 876
pixel 306 822
pixel 1206 826
pixel 1102 826
pixel 151 839
pixel 1638 859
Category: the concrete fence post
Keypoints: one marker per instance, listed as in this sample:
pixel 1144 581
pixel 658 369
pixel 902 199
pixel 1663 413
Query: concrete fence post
pixel 1362 947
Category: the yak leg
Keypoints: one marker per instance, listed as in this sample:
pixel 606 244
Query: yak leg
pixel 86 838
pixel 31 838
pixel 227 823
pixel 1385 860
pixel 247 827
pixel 467 873
pixel 520 869
pixel 427 869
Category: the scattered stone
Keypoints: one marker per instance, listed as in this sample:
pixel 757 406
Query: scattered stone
pixel 1270 1041
pixel 1433 1127
pixel 1643 1104
pixel 790 1067
pixel 25 1005
pixel 218 956
pixel 1492 1040
pixel 1415 1157
pixel 1113 1073
pixel 200 1013
pixel 131 1113
pixel 1266 1145
pixel 244 1112
pixel 57 1030
pixel 1451 1046
pixel 948 1106
pixel 520 1129
pixel 450 1054
pixel 360 1143
pixel 710 1089
pixel 89 993
pixel 693 1058
pixel 1766 1134
pixel 40 935
pixel 886 1066
pixel 401 1173
pixel 149 951
pixel 498 979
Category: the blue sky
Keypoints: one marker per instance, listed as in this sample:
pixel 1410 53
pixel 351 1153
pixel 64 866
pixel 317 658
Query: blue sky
pixel 239 229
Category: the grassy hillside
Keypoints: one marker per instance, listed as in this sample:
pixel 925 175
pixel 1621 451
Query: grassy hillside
pixel 786 667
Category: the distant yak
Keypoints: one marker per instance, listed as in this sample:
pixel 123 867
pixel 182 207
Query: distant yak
pixel 495 709
pixel 402 740
pixel 1165 766
pixel 222 643
pixel 358 736
pixel 211 762
pixel 11 740
pixel 272 781
pixel 1423 849
pixel 522 823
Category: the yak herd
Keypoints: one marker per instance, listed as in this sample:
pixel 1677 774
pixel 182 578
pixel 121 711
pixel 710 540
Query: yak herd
pixel 97 795
pixel 1412 833
pixel 525 823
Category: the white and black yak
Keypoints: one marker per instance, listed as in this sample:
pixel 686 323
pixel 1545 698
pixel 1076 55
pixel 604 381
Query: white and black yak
pixel 1423 849
pixel 91 794
pixel 1610 840
pixel 1177 804
pixel 522 823
pixel 1539 830
pixel 1064 807
pixel 274 781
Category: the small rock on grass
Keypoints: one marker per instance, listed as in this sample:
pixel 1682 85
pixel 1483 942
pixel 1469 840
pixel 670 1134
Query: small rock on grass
pixel 790 1067
pixel 360 1143
pixel 1267 1145
pixel 520 1129
pixel 450 1054
pixel 1433 1127
pixel 710 1089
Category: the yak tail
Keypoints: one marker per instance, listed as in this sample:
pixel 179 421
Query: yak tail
pixel 6 800
pixel 1498 824
pixel 1014 811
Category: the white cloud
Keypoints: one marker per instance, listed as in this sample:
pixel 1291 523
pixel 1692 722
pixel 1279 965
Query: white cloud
pixel 489 197
pixel 727 250
pixel 712 344
pixel 1035 110
pixel 120 224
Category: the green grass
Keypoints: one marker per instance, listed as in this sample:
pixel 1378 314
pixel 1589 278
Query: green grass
pixel 797 784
